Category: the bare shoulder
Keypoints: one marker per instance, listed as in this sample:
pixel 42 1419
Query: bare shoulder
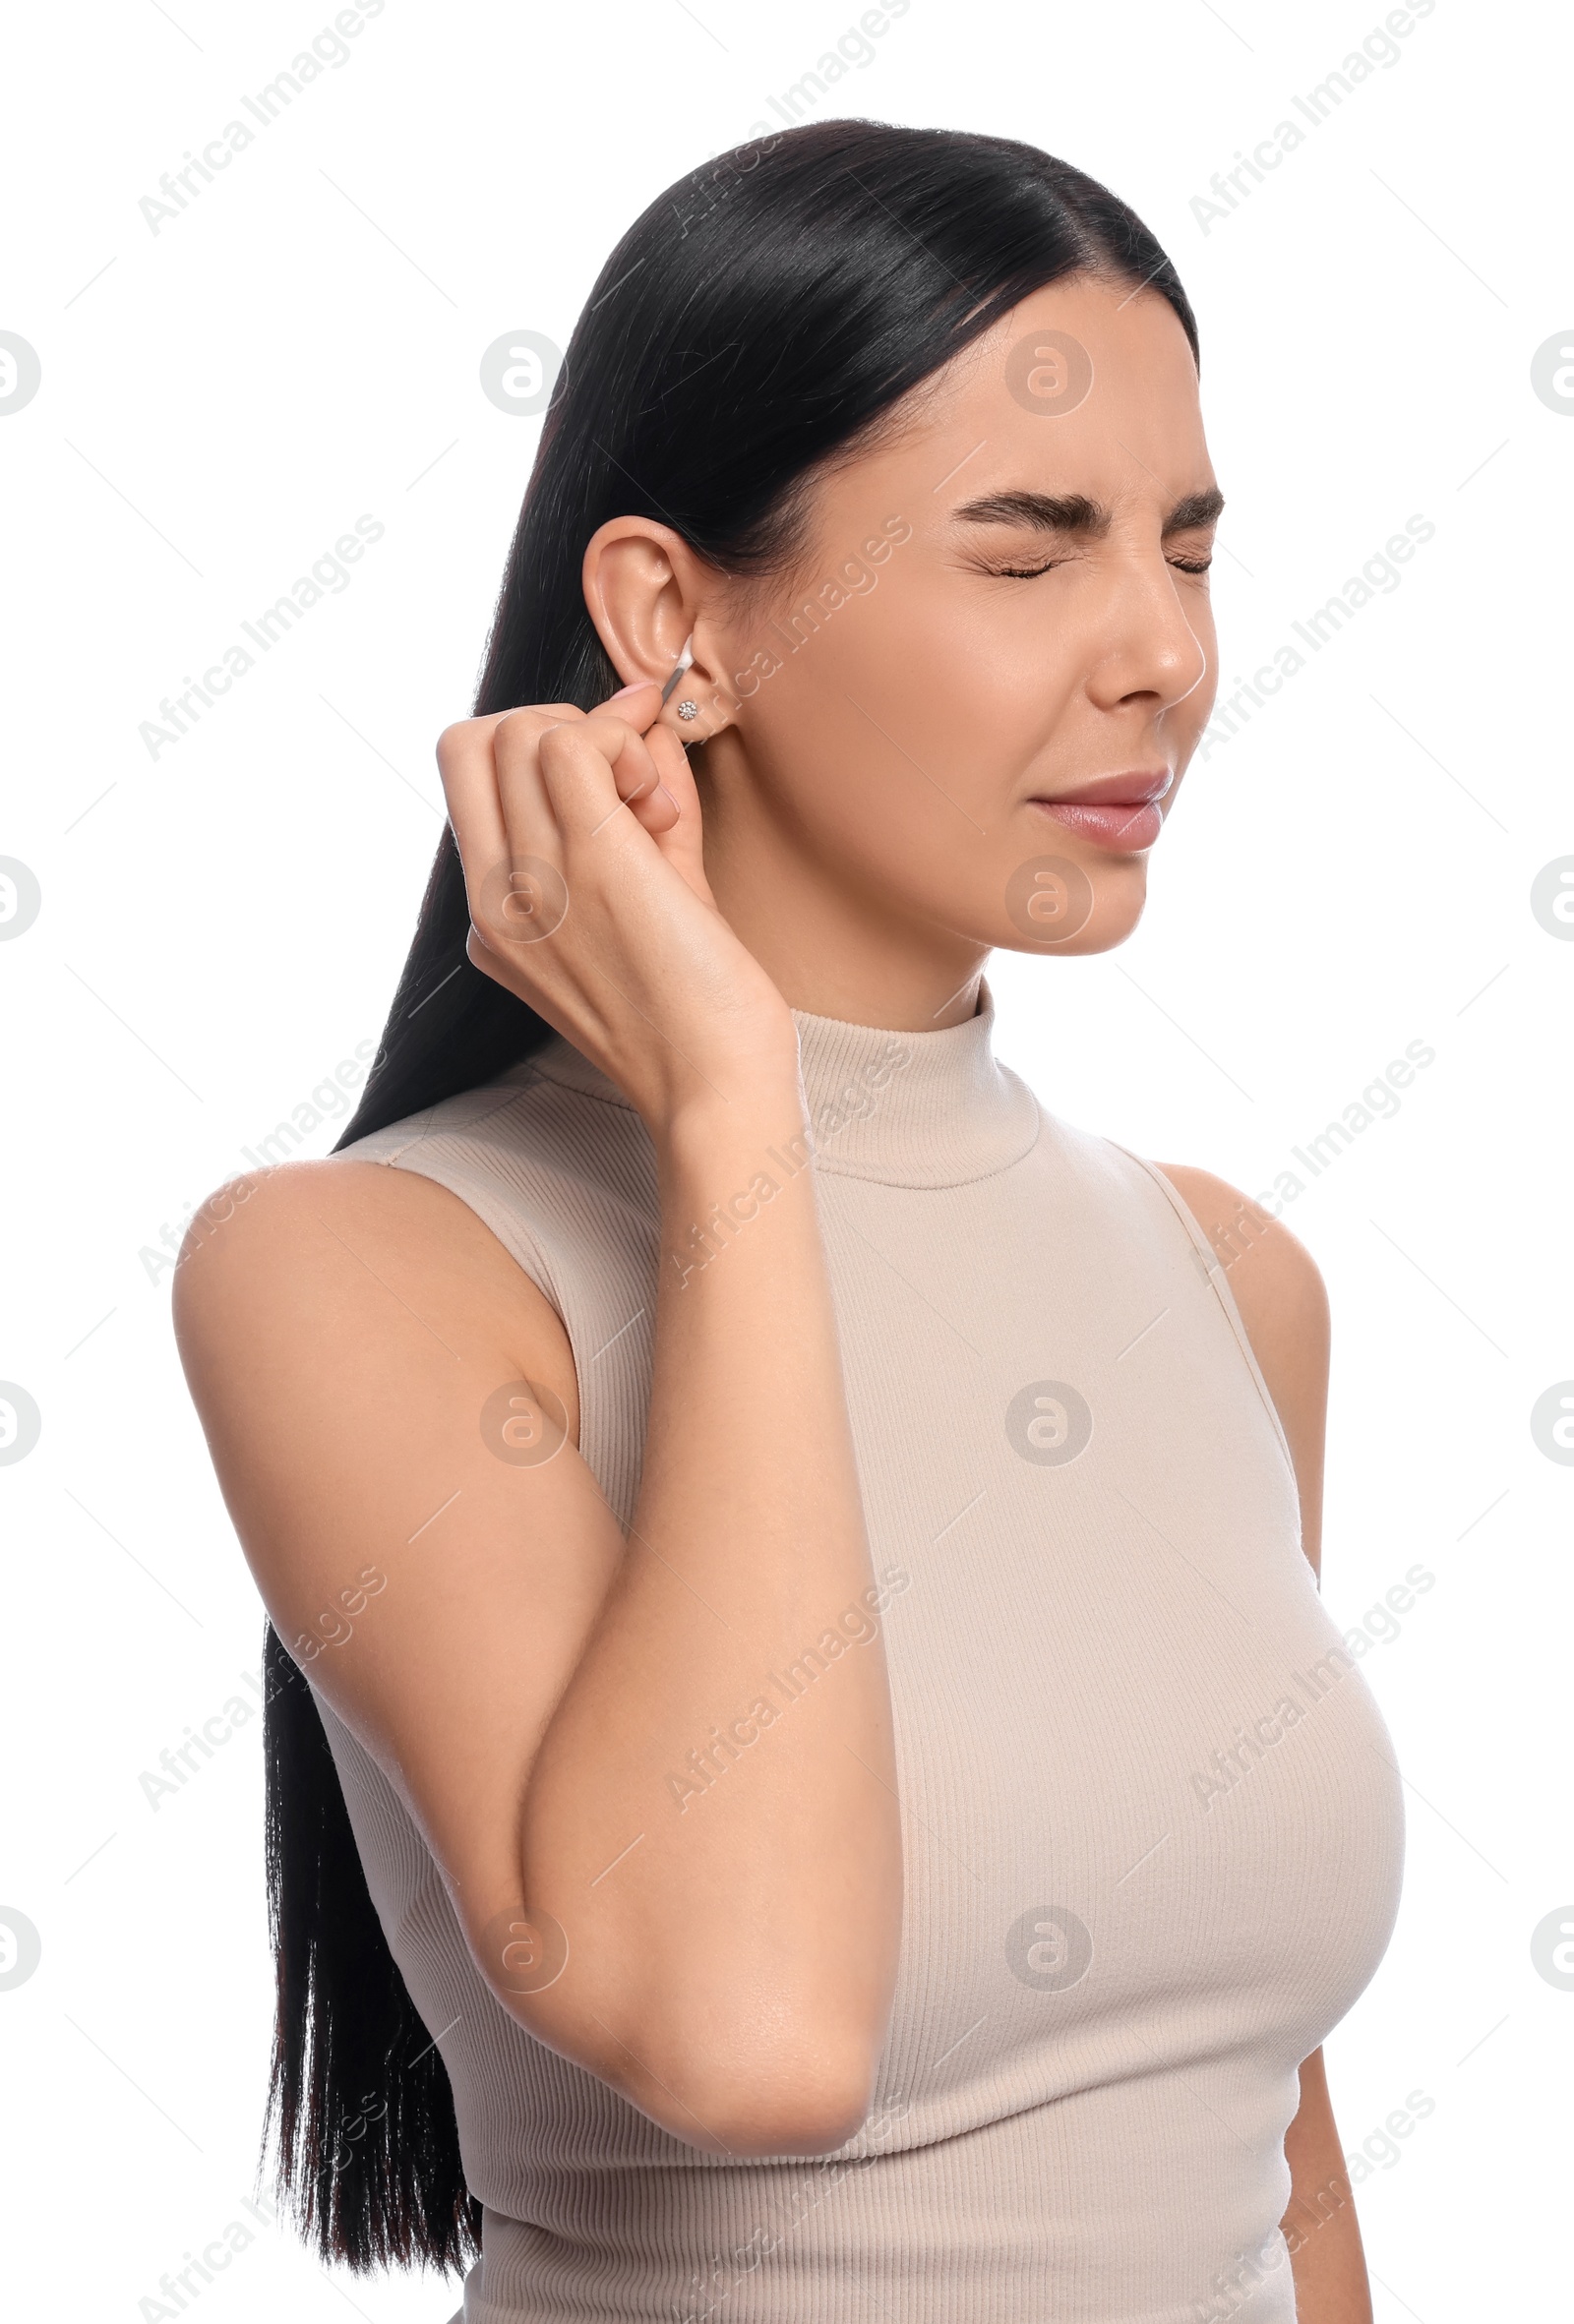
pixel 1275 1279
pixel 312 1263
pixel 358 1345
pixel 1284 1307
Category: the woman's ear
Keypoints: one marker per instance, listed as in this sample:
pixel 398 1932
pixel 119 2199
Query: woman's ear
pixel 647 592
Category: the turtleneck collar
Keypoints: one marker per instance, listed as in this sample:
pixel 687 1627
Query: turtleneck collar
pixel 913 1108
pixel 902 1109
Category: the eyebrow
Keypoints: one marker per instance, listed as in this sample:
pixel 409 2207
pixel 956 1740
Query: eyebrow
pixel 1076 515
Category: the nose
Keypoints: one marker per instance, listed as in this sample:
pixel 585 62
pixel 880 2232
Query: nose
pixel 1146 648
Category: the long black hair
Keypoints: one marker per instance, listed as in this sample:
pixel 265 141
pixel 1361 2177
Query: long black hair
pixel 763 315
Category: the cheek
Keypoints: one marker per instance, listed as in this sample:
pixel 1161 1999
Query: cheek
pixel 994 670
pixel 911 700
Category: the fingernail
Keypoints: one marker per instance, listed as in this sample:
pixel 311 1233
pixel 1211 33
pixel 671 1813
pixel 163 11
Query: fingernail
pixel 629 689
pixel 664 793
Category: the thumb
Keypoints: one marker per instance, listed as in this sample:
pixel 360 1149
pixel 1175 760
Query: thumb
pixel 683 842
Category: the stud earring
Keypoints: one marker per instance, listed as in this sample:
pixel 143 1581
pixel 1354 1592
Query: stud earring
pixel 688 710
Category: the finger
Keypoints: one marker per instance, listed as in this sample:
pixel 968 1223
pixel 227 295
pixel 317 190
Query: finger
pixel 475 810
pixel 648 794
pixel 658 812
pixel 680 826
pixel 510 843
pixel 634 770
pixel 546 713
pixel 672 763
pixel 467 765
pixel 626 704
pixel 577 770
pixel 650 771
pixel 529 824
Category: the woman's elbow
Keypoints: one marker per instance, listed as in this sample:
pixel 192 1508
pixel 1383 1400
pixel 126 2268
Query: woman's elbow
pixel 726 2096
pixel 793 2108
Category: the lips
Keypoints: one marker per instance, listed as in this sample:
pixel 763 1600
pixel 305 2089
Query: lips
pixel 1118 811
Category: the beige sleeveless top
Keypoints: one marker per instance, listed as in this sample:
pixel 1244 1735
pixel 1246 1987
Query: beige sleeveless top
pixel 1151 1820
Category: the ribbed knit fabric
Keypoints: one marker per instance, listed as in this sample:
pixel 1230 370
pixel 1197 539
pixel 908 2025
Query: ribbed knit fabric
pixel 1152 1826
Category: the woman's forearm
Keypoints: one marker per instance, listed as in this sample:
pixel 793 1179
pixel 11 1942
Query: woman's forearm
pixel 1320 2226
pixel 742 1951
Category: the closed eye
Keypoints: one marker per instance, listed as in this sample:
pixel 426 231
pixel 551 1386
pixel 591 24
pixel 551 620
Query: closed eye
pixel 1025 572
pixel 1031 572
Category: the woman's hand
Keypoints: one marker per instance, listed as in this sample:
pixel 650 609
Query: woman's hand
pixel 580 840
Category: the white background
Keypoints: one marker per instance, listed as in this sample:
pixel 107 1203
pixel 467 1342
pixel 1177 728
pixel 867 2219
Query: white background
pixel 222 400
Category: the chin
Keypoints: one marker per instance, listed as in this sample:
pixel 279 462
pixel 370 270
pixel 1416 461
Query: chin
pixel 1064 903
pixel 1104 938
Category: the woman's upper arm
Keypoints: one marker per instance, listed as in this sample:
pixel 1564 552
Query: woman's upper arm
pixel 343 1326
pixel 1284 1307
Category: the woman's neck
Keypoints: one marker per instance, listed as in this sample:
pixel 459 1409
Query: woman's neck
pixel 832 946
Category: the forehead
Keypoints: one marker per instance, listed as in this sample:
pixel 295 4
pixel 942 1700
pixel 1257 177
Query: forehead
pixel 1086 386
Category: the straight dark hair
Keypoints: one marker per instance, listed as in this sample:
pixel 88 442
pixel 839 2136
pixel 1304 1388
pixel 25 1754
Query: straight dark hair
pixel 763 318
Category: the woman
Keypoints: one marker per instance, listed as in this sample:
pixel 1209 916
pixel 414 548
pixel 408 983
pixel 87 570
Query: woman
pixel 800 1559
